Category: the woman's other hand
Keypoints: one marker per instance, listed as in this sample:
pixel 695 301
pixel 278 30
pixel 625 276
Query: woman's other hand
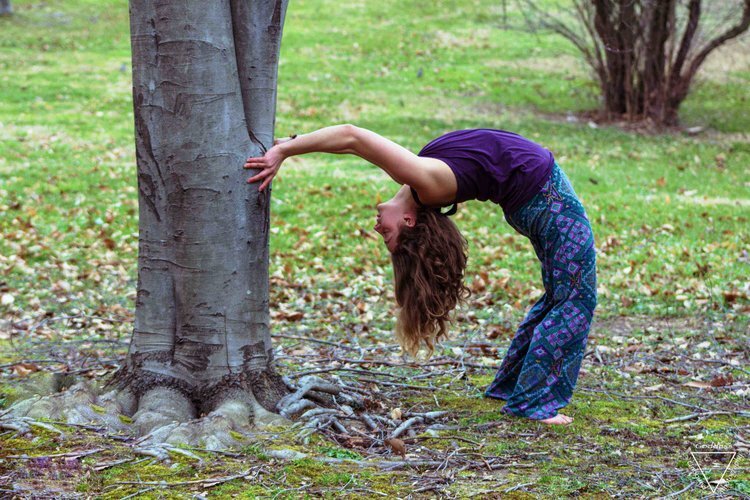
pixel 268 164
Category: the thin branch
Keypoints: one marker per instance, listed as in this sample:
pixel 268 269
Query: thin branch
pixel 209 482
pixel 317 341
pixel 72 454
pixel 694 14
pixel 394 384
pixel 343 369
pixel 732 32
pixel 707 414
pixel 678 493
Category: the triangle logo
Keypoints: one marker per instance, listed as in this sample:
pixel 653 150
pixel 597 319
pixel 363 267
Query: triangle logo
pixel 712 464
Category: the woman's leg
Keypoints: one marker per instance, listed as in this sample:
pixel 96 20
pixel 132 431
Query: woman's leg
pixel 553 360
pixel 556 223
pixel 507 375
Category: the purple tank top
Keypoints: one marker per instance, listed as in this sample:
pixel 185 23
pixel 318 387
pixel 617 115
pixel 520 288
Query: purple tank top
pixel 494 165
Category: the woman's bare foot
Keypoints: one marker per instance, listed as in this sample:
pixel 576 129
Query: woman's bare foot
pixel 558 419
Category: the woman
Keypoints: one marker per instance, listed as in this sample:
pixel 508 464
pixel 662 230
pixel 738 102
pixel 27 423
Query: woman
pixel 540 369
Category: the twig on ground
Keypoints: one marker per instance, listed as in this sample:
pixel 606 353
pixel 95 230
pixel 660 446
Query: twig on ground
pixel 717 361
pixel 383 464
pixel 293 403
pixel 394 384
pixel 434 373
pixel 453 361
pixel 429 487
pixel 343 369
pixel 707 414
pixel 517 487
pixel 71 454
pixel 678 493
pixel 208 482
pixel 405 426
pixel 447 459
pixel 366 490
pixel 106 465
pixel 94 428
pixel 139 492
pixel 316 341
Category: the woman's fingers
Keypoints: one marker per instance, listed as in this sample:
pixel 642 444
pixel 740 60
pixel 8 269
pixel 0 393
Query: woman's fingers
pixel 266 174
pixel 255 163
pixel 259 176
pixel 267 170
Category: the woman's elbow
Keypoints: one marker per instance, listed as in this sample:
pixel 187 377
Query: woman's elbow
pixel 350 135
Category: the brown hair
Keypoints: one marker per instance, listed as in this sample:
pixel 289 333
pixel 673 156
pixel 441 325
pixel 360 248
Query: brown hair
pixel 428 268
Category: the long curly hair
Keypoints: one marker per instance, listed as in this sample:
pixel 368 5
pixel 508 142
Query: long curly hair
pixel 428 268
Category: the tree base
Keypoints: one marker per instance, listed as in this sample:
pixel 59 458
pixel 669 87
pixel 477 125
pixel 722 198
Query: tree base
pixel 163 417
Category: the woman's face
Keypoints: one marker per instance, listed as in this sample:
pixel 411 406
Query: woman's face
pixel 393 214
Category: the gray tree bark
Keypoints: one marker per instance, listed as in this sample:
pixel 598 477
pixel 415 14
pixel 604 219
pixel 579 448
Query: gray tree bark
pixel 204 96
pixel 5 8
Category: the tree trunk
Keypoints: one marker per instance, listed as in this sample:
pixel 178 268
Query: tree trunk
pixel 204 92
pixel 5 8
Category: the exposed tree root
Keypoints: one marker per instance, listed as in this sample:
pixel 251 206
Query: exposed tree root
pixel 162 420
pixel 80 404
pixel 306 400
pixel 164 417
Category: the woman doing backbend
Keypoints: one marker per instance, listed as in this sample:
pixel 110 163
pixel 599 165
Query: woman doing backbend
pixel 540 369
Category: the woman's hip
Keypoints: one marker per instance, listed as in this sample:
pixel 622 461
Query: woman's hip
pixel 555 212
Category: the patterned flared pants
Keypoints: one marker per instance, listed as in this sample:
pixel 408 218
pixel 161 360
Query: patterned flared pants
pixel 540 369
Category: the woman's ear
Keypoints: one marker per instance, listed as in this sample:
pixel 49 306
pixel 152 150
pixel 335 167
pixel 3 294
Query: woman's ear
pixel 410 219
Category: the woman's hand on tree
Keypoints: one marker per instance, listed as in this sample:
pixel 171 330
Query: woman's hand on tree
pixel 268 164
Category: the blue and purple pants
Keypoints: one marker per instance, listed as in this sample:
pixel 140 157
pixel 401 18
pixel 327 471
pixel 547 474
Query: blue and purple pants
pixel 540 369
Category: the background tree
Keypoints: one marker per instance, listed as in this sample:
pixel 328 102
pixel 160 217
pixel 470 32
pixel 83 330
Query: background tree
pixel 5 8
pixel 645 53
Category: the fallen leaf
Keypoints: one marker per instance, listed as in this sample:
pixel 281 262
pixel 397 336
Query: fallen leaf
pixel 397 446
pixel 633 348
pixel 720 380
pixel 730 297
pixel 24 369
pixel 499 331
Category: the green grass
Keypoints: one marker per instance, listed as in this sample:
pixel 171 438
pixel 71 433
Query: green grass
pixel 660 205
pixel 670 212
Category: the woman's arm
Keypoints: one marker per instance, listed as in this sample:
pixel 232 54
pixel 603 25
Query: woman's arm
pixel 433 179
